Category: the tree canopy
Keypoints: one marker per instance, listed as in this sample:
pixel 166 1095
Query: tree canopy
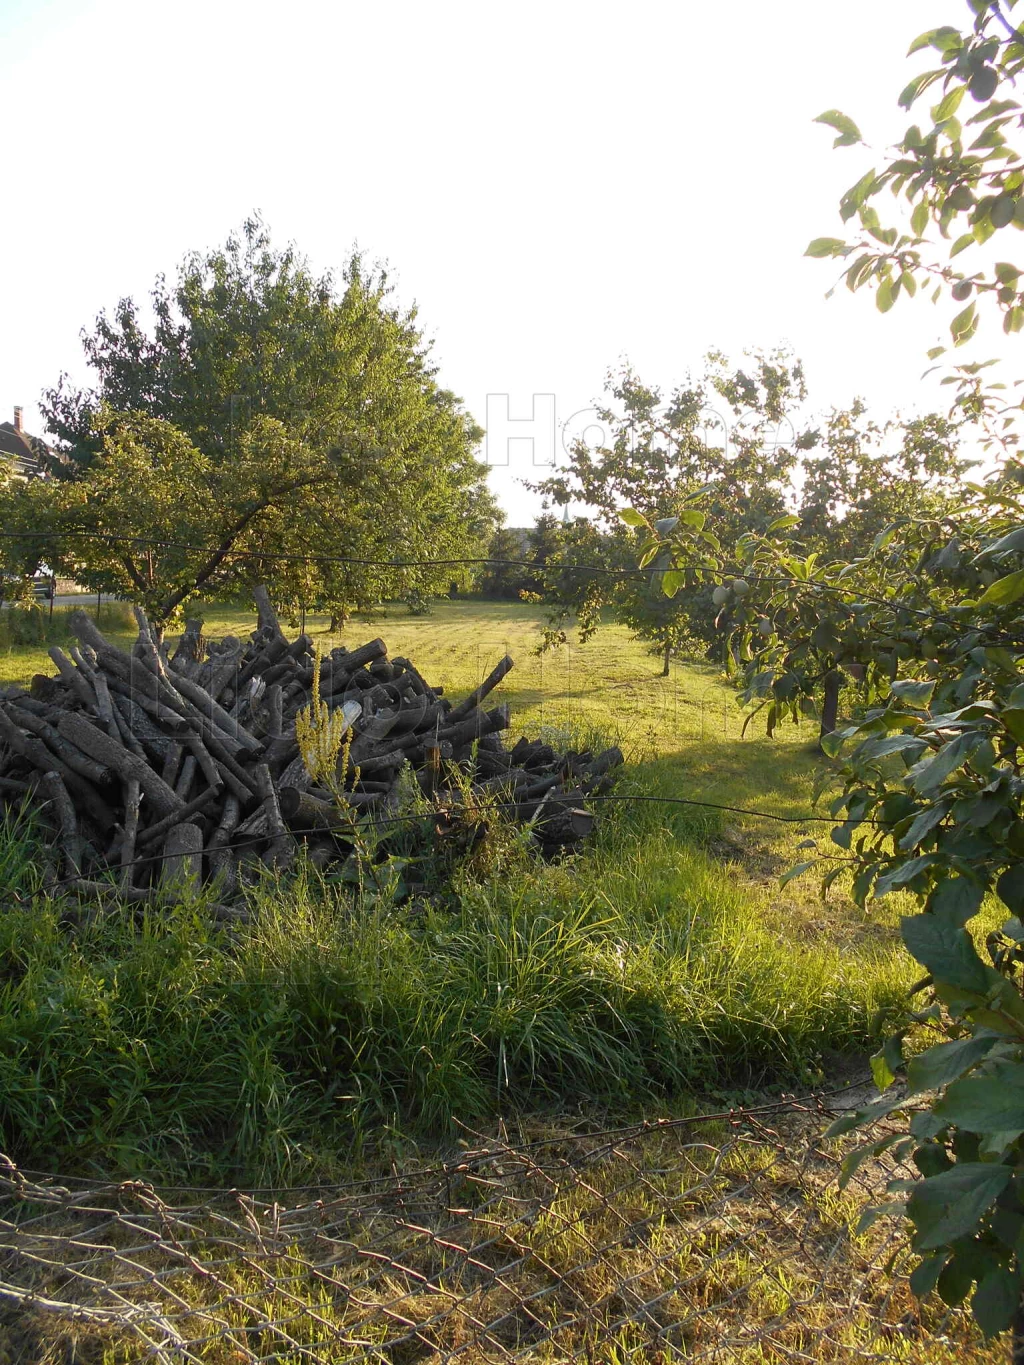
pixel 265 410
pixel 742 438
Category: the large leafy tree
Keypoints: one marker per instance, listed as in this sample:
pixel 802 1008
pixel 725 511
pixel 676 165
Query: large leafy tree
pixel 731 432
pixel 249 342
pixel 931 799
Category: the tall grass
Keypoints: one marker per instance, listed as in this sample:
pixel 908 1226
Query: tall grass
pixel 633 974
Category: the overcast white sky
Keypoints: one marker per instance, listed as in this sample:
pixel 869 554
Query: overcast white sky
pixel 556 185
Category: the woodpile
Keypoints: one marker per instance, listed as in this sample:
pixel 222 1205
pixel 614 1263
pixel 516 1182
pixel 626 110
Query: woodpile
pixel 160 770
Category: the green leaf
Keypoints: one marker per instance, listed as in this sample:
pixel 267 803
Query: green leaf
pixel 917 86
pixel 945 39
pixel 950 1205
pixel 954 1284
pixel 891 744
pixel 1002 210
pixel 1004 590
pixel 924 1277
pixel 884 298
pixel 861 270
pixel 1013 718
pixel 921 41
pixel 791 873
pixel 632 518
pixel 946 1062
pixel 917 693
pixel 920 217
pixel 939 38
pixel 1013 540
pixel 902 874
pixel 671 581
pixel 886 1060
pixel 846 1123
pixel 956 900
pixel 826 246
pixel 848 131
pixel 1010 888
pixel 961 244
pixel 922 824
pixel 964 325
pixel 885 536
pixel 986 1104
pixel 949 104
pixel 995 1300
pixel 856 195
pixel 946 952
pixel 666 525
pixel 929 774
pixel 883 1077
pixel 982 229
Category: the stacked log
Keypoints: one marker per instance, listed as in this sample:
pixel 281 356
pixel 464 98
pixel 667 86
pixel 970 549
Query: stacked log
pixel 163 771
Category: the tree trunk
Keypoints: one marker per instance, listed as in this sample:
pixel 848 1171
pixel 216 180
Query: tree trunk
pixel 667 646
pixel 830 703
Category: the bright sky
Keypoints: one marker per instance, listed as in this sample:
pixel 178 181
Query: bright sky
pixel 556 185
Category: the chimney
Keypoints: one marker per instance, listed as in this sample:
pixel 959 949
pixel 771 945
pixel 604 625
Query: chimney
pixel 17 420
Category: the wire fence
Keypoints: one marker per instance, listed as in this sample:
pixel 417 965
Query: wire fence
pixel 716 1239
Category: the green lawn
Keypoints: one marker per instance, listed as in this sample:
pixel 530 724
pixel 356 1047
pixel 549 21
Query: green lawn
pixel 662 964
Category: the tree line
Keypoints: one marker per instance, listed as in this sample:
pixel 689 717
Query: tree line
pixel 256 422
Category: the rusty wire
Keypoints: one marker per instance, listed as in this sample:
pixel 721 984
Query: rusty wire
pixel 719 1240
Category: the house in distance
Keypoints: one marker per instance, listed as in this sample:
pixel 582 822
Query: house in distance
pixel 20 449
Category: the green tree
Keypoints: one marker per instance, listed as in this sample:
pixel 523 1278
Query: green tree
pixel 543 540
pixel 155 520
pixel 502 577
pixel 21 545
pixel 732 433
pixel 249 336
pixel 929 770
pixel 512 553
